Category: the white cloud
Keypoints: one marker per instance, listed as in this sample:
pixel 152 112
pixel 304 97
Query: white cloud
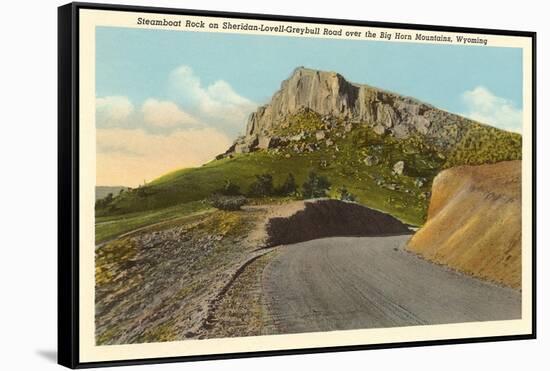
pixel 140 143
pixel 483 106
pixel 217 104
pixel 165 114
pixel 113 111
pixel 129 156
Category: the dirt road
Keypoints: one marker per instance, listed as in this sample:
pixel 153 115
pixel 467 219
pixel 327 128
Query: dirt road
pixel 343 283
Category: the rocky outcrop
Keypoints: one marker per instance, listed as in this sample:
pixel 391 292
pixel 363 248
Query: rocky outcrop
pixel 330 95
pixel 398 168
pixel 474 222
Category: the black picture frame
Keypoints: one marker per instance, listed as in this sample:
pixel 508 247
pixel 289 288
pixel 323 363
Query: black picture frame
pixel 68 183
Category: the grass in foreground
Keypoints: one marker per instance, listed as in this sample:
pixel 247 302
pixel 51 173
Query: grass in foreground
pixel 156 284
pixel 108 227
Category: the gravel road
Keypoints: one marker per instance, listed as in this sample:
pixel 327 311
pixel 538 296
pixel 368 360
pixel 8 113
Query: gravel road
pixel 344 283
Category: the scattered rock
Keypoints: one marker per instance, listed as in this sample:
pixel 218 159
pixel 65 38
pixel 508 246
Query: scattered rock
pixel 348 127
pixel 421 124
pixel 242 148
pixel 264 142
pixel 419 182
pixel 297 137
pixel 371 160
pixel 398 167
pixel 245 145
pixel 379 129
pixel 401 131
pixel 329 142
pixel 320 135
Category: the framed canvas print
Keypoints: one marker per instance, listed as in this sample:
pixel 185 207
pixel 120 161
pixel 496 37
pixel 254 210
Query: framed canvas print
pixel 236 185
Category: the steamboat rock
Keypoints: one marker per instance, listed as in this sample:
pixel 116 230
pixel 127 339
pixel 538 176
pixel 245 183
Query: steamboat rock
pixel 337 100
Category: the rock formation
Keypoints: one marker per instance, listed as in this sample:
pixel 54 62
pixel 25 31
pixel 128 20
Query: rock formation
pixel 330 95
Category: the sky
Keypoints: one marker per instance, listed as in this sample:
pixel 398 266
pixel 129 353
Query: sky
pixel 172 99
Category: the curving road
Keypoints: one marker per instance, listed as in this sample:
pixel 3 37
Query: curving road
pixel 367 282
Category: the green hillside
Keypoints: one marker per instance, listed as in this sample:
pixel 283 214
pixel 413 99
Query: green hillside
pixel 351 156
pixel 103 191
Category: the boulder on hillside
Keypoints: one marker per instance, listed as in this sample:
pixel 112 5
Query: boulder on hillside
pixel 371 160
pixel 297 137
pixel 399 167
pixel 379 129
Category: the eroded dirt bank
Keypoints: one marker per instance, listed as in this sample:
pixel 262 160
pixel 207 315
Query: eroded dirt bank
pixel 474 222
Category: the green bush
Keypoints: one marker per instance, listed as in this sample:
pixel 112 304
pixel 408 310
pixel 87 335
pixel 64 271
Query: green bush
pixel 315 186
pixel 289 187
pixel 345 195
pixel 229 189
pixel 262 186
pixel 104 202
pixel 483 144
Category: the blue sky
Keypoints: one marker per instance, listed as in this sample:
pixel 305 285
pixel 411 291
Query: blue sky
pixel 137 62
pixel 161 82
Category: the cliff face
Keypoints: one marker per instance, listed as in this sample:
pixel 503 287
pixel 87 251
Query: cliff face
pixel 331 95
pixel 474 222
pixel 326 93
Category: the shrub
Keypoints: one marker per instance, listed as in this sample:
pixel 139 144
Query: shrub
pixel 289 187
pixel 262 186
pixel 483 144
pixel 222 202
pixel 104 202
pixel 229 189
pixel 315 186
pixel 345 195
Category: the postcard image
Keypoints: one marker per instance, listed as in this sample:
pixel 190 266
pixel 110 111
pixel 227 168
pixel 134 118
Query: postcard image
pixel 257 179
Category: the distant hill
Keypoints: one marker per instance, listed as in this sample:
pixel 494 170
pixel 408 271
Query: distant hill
pixel 474 222
pixel 384 148
pixel 103 191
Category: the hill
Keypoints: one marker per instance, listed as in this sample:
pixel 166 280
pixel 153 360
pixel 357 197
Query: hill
pixel 474 222
pixel 383 148
pixel 103 191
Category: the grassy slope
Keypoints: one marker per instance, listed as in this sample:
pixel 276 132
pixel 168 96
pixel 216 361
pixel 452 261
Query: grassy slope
pixel 103 191
pixel 483 144
pixel 107 227
pixel 341 162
